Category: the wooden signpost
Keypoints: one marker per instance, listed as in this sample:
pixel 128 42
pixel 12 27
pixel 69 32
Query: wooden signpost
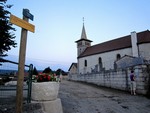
pixel 25 27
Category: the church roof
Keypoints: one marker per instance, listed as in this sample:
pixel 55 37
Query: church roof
pixel 116 44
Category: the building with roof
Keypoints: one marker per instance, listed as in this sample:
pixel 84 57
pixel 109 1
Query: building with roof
pixel 73 68
pixel 102 56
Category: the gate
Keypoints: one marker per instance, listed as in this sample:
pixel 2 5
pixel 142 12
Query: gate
pixel 8 83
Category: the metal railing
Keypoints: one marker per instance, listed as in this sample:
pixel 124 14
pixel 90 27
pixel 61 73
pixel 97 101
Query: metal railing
pixel 8 82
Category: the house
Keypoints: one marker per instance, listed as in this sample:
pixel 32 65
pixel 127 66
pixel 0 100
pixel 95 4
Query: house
pixel 103 56
pixel 73 68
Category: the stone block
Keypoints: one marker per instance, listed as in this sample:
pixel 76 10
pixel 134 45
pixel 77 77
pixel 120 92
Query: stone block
pixel 44 91
pixel 54 106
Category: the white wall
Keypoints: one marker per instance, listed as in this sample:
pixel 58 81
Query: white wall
pixel 108 59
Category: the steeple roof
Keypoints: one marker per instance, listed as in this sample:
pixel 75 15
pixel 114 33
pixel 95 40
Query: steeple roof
pixel 83 35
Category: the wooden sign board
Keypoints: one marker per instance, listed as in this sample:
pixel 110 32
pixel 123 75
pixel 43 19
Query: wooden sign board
pixel 21 23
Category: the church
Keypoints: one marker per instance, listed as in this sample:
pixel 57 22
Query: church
pixel 103 56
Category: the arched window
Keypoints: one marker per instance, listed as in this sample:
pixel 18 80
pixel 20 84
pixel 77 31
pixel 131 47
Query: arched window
pixel 80 51
pixel 100 60
pixel 100 63
pixel 85 63
pixel 118 56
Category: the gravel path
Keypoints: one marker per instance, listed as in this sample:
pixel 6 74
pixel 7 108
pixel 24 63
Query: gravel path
pixel 79 97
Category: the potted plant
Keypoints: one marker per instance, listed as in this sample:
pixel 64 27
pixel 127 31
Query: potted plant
pixel 44 87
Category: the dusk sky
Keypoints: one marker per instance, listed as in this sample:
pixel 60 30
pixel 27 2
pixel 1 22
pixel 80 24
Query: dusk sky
pixel 58 24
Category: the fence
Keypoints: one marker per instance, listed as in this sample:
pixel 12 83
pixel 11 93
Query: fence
pixel 8 83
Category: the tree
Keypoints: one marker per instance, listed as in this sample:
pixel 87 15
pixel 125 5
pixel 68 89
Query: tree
pixel 60 71
pixel 6 30
pixel 47 70
pixel 35 72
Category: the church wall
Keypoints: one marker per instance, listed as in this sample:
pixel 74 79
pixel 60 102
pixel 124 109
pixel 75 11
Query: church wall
pixel 108 60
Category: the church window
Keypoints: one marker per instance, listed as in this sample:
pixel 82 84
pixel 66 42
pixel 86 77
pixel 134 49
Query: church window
pixel 87 43
pixel 80 51
pixel 85 63
pixel 100 63
pixel 118 56
pixel 79 43
pixel 100 60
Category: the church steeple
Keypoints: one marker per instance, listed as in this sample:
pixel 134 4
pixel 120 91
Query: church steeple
pixel 83 42
pixel 83 34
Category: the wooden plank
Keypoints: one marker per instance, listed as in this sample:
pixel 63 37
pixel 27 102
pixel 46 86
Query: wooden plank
pixel 21 23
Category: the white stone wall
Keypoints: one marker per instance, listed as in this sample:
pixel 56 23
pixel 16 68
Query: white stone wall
pixel 118 80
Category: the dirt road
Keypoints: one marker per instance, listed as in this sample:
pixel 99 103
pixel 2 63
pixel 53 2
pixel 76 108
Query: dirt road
pixel 83 98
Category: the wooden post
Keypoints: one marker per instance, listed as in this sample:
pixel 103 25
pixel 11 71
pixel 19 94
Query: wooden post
pixel 21 67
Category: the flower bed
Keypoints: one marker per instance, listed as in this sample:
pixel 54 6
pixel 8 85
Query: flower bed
pixel 44 77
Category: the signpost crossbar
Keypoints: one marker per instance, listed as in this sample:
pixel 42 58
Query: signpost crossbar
pixel 21 23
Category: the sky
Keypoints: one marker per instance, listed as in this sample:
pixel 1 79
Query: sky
pixel 58 24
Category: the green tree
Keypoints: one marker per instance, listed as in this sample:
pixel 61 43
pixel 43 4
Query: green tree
pixel 47 70
pixel 60 71
pixel 6 30
pixel 35 72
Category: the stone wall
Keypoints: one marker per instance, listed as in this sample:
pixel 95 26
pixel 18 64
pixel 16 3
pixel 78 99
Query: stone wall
pixel 116 79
